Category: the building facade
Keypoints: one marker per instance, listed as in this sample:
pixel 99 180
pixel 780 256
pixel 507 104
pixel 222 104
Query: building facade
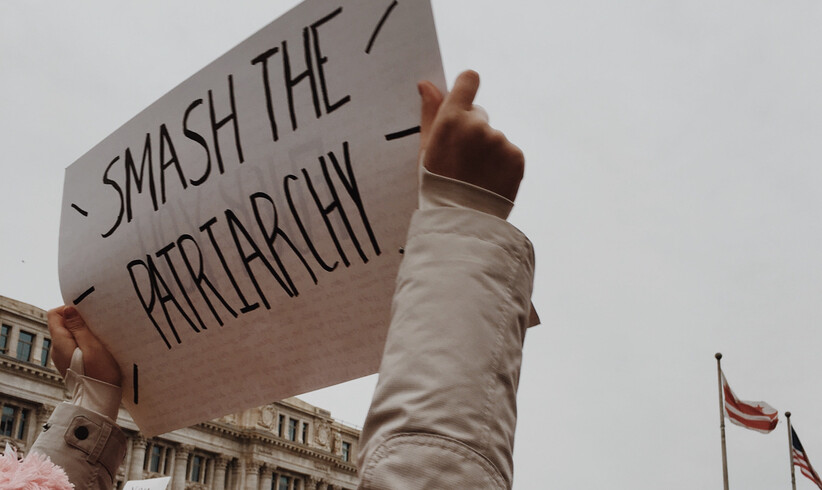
pixel 286 445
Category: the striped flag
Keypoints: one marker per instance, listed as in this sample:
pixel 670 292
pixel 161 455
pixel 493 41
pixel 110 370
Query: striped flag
pixel 758 416
pixel 801 459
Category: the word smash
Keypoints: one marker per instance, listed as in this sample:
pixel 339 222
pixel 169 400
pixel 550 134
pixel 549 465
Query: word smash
pixel 167 155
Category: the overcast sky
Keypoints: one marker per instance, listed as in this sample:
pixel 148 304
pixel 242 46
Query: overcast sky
pixel 671 193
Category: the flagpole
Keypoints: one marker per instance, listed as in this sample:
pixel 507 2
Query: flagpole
pixel 722 421
pixel 790 450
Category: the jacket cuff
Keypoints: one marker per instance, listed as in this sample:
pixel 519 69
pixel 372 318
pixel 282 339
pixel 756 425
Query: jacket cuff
pixel 440 191
pixel 89 393
pixel 80 441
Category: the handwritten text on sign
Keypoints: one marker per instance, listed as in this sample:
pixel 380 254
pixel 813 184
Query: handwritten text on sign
pixel 237 241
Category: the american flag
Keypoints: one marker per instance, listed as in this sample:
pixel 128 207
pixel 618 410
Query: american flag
pixel 758 416
pixel 801 459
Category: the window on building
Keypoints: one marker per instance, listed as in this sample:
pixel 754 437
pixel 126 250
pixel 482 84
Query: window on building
pixel 284 481
pixel 305 433
pixel 158 459
pixel 5 331
pixel 155 456
pixel 346 451
pixel 292 429
pixel 13 422
pixel 281 425
pixel 21 424
pixel 7 422
pixel 196 467
pixel 44 354
pixel 24 345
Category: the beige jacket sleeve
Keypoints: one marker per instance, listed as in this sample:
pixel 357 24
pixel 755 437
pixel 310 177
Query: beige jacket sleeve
pixel 86 444
pixel 444 410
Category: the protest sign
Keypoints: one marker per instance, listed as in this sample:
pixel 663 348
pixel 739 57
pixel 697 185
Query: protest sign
pixel 237 241
pixel 151 484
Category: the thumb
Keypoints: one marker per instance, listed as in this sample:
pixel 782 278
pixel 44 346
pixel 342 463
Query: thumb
pixel 79 330
pixel 97 361
pixel 431 101
pixel 464 91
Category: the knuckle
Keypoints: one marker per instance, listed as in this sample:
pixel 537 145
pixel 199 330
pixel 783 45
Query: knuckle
pixel 516 161
pixel 497 138
pixel 53 314
pixel 450 121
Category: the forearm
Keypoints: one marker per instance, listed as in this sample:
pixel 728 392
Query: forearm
pixel 445 404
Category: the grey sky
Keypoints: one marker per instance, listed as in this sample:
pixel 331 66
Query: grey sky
pixel 671 194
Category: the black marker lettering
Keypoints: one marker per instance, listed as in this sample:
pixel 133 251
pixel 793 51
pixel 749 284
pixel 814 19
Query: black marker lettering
pixel 148 304
pixel 131 171
pixel 291 81
pixel 263 58
pixel 321 60
pixel 164 296
pixel 327 210
pixel 116 186
pixel 165 141
pixel 216 125
pixel 163 253
pixel 199 277
pixel 271 236
pixel 293 208
pixel 195 136
pixel 207 228
pixel 234 225
pixel 350 183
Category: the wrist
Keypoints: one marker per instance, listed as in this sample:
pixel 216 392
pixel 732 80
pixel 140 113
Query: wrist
pixel 440 191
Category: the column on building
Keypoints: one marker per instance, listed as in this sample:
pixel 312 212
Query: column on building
pixel 168 469
pixel 42 416
pixel 11 347
pixel 266 478
pixel 178 479
pixel 252 473
pixel 311 482
pixel 237 473
pixel 209 473
pixel 36 349
pixel 138 457
pixel 218 480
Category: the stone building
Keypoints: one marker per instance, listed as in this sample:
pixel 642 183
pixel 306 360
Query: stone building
pixel 286 445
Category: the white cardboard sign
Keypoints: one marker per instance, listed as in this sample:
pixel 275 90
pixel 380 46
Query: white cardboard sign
pixel 237 241
pixel 151 484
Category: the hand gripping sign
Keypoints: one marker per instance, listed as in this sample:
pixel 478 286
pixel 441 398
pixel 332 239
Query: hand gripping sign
pixel 237 241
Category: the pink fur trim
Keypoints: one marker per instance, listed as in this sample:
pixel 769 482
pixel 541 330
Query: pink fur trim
pixel 35 472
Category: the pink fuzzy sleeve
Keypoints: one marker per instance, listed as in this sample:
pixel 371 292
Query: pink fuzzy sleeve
pixel 35 472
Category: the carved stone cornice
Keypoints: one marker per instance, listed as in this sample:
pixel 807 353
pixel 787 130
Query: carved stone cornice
pixel 32 370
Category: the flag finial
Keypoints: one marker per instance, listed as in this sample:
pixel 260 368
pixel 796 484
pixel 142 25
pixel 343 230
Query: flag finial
pixel 788 414
pixel 718 355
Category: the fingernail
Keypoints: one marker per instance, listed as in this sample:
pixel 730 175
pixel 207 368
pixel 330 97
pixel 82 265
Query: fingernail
pixel 70 312
pixel 419 87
